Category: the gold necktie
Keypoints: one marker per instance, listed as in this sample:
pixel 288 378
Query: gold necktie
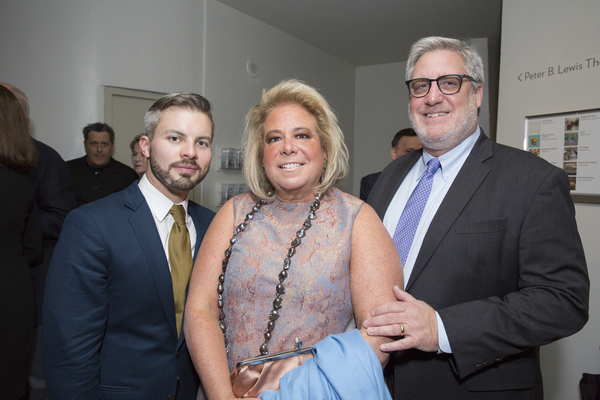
pixel 180 259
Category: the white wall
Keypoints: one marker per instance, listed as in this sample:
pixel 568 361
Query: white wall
pixel 232 38
pixel 381 111
pixel 536 35
pixel 61 53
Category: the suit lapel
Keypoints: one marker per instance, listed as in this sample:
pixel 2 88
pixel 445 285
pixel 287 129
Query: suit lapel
pixel 142 222
pixel 468 180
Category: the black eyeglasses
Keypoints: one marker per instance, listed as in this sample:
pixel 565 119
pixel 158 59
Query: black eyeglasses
pixel 448 84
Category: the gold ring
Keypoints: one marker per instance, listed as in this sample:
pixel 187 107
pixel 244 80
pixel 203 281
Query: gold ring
pixel 401 328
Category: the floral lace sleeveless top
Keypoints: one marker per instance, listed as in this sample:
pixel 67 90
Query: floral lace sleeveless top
pixel 317 299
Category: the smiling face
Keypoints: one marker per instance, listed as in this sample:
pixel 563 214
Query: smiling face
pixel 98 149
pixel 292 153
pixel 443 121
pixel 179 152
pixel 139 161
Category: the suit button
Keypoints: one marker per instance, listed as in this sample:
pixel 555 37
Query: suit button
pixel 482 365
pixel 170 397
pixel 177 354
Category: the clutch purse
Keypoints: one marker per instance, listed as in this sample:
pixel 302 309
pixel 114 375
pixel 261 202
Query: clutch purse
pixel 254 375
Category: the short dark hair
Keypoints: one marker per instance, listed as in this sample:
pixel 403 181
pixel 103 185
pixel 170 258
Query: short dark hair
pixel 99 127
pixel 17 150
pixel 401 133
pixel 186 100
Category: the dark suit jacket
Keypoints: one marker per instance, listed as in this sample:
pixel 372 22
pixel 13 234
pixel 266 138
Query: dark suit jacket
pixel 20 247
pixel 503 264
pixel 366 184
pixel 55 197
pixel 109 314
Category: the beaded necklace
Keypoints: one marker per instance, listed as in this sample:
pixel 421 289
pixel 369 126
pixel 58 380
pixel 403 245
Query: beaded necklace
pixel 287 262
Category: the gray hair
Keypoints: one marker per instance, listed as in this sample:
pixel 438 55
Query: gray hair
pixel 472 59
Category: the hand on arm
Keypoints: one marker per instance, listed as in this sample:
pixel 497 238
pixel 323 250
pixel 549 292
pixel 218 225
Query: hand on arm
pixel 417 318
pixel 375 269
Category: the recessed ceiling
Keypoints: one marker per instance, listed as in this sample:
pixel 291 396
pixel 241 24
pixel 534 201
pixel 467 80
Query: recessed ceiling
pixel 370 32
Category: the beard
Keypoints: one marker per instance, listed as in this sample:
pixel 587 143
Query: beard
pixel 184 183
pixel 455 134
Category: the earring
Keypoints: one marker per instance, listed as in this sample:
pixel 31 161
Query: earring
pixel 269 190
pixel 324 169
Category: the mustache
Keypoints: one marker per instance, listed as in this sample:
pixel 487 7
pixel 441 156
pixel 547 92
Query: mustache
pixel 185 162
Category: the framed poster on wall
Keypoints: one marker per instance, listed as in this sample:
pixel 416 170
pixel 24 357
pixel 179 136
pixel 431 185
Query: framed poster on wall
pixel 571 141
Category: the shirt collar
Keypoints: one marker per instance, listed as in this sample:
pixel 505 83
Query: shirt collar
pixel 453 160
pixel 159 204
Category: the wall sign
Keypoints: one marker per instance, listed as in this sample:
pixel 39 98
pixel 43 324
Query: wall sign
pixel 571 141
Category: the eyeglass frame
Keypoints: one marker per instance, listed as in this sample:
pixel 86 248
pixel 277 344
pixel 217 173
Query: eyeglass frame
pixel 437 80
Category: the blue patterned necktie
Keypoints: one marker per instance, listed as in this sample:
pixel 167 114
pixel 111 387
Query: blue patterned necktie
pixel 411 215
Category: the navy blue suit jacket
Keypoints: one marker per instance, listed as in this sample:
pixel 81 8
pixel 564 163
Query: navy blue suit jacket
pixel 366 184
pixel 109 314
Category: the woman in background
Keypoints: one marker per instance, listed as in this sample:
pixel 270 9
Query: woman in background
pixel 20 246
pixel 140 163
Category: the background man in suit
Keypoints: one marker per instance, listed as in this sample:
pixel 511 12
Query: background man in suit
pixel 116 287
pixel 404 141
pixel 55 197
pixel 496 267
pixel 97 174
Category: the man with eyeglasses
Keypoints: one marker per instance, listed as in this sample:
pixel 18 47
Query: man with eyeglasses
pixel 493 262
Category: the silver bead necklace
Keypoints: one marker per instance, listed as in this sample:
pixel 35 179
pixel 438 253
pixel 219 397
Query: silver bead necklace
pixel 287 263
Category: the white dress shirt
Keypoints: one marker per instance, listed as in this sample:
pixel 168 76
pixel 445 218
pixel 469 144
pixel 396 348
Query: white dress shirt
pixel 450 164
pixel 160 206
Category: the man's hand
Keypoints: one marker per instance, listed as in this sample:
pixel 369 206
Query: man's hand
pixel 417 318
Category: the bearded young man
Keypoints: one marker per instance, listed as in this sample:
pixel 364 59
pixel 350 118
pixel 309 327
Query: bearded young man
pixel 493 263
pixel 118 280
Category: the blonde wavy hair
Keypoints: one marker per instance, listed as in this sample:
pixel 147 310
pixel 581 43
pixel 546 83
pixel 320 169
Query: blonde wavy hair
pixel 293 91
